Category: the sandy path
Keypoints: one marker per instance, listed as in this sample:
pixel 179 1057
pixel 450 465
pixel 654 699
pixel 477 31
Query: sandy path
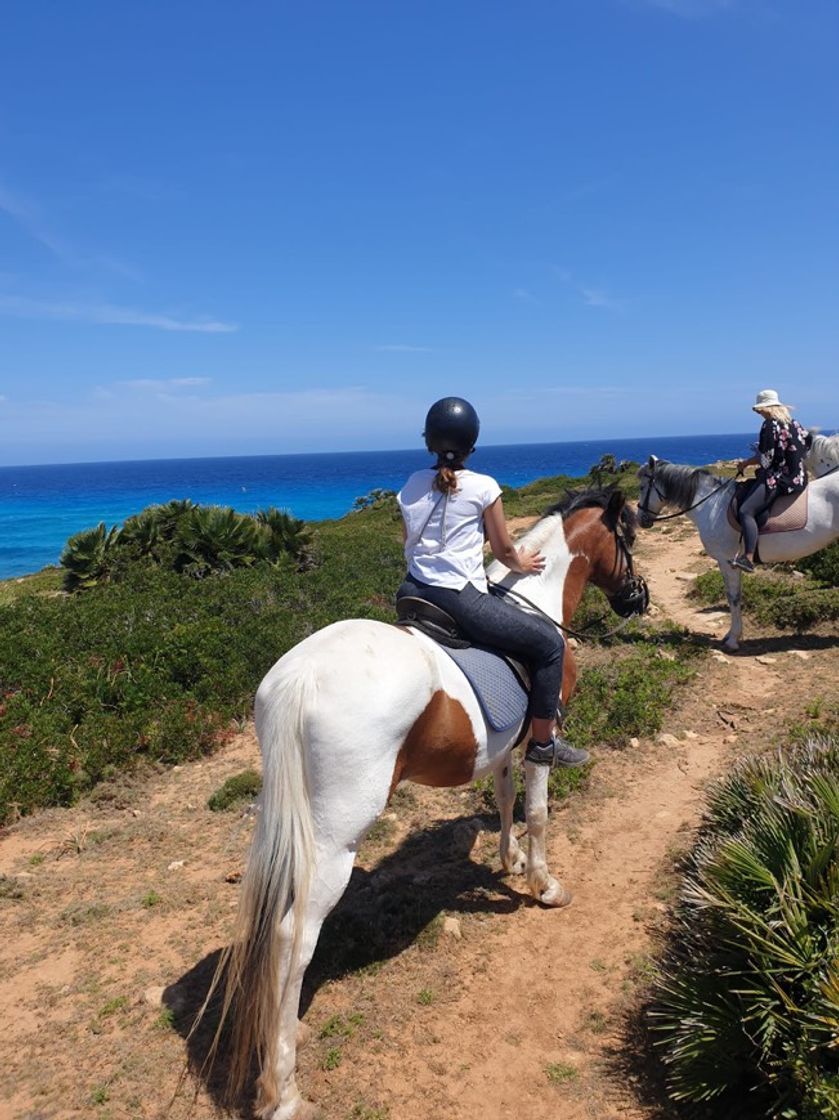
pixel 523 1015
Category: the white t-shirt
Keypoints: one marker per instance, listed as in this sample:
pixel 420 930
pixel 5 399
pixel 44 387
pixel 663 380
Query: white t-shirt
pixel 444 543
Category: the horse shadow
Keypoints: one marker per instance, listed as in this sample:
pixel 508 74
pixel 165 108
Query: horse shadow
pixel 382 913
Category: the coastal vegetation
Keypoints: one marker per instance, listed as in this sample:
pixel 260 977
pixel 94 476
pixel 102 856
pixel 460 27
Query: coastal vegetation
pixel 790 599
pixel 747 1009
pixel 172 621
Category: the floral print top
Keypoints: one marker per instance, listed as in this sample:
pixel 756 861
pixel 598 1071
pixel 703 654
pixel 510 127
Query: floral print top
pixel 782 449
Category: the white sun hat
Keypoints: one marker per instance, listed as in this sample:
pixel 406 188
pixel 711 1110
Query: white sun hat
pixel 768 398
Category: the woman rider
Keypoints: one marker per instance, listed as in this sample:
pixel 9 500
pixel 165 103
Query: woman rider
pixel 447 511
pixel 781 449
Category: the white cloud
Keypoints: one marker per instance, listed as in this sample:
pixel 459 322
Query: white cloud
pixel 691 9
pixel 522 295
pixel 26 215
pixel 597 297
pixel 399 348
pixel 162 385
pixel 20 307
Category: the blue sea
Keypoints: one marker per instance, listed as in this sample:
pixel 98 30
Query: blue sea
pixel 40 507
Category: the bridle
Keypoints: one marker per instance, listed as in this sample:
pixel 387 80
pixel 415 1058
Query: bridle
pixel 630 600
pixel 644 506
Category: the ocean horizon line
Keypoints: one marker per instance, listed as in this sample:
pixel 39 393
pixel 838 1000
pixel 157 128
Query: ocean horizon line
pixel 363 451
pixel 43 505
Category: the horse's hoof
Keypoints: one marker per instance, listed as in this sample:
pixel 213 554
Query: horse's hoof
pixel 517 866
pixel 555 895
pixel 304 1034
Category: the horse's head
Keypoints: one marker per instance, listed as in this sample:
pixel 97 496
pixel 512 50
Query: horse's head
pixel 651 499
pixel 605 534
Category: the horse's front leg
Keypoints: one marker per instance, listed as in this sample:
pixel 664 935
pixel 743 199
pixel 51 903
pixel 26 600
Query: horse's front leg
pixel 513 859
pixel 732 580
pixel 542 884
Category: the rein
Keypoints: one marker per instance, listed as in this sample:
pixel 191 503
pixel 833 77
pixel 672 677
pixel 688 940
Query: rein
pixel 645 508
pixel 580 635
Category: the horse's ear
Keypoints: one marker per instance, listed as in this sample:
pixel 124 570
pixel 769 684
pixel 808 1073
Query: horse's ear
pixel 617 500
pixel 651 462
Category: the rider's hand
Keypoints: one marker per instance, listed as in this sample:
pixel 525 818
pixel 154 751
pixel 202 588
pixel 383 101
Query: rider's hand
pixel 531 562
pixel 741 466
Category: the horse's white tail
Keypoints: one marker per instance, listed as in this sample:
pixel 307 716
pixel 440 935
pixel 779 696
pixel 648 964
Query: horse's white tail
pixel 276 882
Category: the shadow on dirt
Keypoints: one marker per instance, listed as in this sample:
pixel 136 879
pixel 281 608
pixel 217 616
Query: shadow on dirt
pixel 382 913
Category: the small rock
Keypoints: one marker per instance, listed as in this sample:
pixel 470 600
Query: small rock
pixel 718 655
pixel 666 654
pixel 666 739
pixel 730 739
pixel 176 865
pixel 686 577
pixel 452 926
pixel 766 660
pixel 802 653
pixel 390 817
pixel 798 575
pixel 572 643
pixel 690 734
pixel 24 875
pixel 233 877
pixel 136 813
pixel 154 996
pixel 634 742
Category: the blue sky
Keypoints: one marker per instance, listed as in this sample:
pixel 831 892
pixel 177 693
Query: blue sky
pixel 274 227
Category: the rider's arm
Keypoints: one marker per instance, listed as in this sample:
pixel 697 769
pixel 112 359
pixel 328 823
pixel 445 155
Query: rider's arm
pixel 516 559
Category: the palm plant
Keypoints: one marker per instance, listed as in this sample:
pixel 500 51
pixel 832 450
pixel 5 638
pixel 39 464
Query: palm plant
pixel 215 539
pixel 284 535
pixel 747 1008
pixel 88 557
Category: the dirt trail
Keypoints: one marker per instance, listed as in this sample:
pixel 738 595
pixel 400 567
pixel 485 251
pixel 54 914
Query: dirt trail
pixel 510 1011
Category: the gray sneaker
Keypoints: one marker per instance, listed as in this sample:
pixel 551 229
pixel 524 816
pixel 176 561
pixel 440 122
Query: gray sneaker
pixel 556 752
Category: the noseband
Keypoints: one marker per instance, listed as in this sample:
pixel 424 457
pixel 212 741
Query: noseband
pixel 633 597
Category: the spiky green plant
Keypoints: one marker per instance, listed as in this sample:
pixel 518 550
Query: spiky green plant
pixel 215 539
pixel 747 1008
pixel 284 535
pixel 88 557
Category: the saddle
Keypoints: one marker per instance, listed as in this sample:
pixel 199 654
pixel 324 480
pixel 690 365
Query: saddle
pixel 787 513
pixel 501 684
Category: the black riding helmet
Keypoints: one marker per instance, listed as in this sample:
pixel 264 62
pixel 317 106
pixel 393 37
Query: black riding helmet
pixel 451 428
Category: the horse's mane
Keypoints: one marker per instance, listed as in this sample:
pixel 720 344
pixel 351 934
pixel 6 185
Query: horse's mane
pixel 593 498
pixel 826 447
pixel 681 483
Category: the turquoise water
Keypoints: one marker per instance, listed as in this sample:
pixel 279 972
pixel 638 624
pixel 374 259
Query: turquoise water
pixel 40 507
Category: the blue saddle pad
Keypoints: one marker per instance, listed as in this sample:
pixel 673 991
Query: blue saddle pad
pixel 501 695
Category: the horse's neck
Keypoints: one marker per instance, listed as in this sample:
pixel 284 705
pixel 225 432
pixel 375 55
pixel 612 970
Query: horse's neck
pixel 707 510
pixel 545 590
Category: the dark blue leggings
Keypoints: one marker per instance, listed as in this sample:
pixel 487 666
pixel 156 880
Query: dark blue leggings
pixel 752 514
pixel 490 621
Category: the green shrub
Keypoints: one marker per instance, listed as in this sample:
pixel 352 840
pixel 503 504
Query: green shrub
pixel 747 1007
pixel 823 566
pixel 153 664
pixel 775 599
pixel 236 791
pixel 626 696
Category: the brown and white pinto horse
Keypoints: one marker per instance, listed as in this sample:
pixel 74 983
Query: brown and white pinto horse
pixel 344 717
